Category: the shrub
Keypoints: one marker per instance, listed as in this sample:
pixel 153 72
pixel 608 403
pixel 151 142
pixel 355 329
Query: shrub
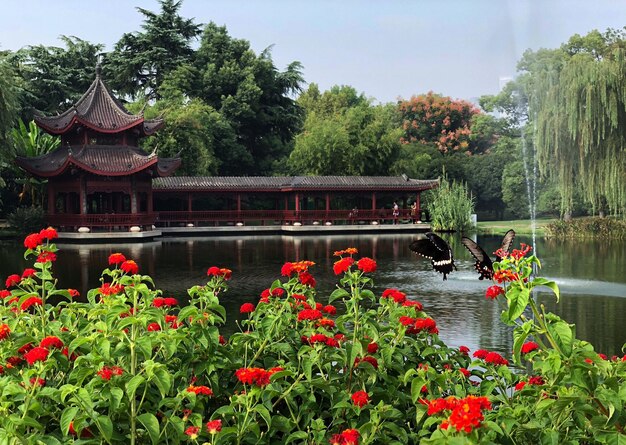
pixel 450 206
pixel 131 366
pixel 587 227
pixel 26 219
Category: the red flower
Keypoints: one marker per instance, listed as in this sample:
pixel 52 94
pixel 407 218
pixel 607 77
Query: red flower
pixel 496 359
pixel 480 353
pixel 36 381
pixel 108 371
pixel 465 372
pixel 529 346
pixel 4 331
pixel 306 279
pixel 503 276
pixel 520 385
pixel 360 399
pixel 116 258
pixel 343 265
pixel 411 303
pixel 536 380
pixel 330 309
pixel 108 289
pixel 246 308
pixel 46 257
pixel 192 432
pixel 368 359
pixel 51 342
pixel 36 354
pixel 5 293
pixel 73 293
pixel 518 254
pixel 204 390
pixel 395 294
pixel 31 301
pixel 309 314
pixel 153 327
pixel 367 265
pixel 257 376
pixel 49 233
pixel 130 267
pixel 372 348
pixel 28 273
pixel 219 272
pixel 32 241
pixel 214 426
pixel 85 433
pixel 493 292
pixel 350 437
pixel 287 269
pixel 25 348
pixel 12 280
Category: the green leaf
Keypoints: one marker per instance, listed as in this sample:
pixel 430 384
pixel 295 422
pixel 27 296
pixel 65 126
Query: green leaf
pixel 416 388
pixel 264 413
pixel 298 435
pixel 353 350
pixel 133 384
pixel 520 334
pixel 338 293
pixel 563 336
pixel 518 301
pixel 163 380
pixel 66 417
pixel 150 422
pixel 106 427
pixel 540 281
pixel 116 397
pixel 144 344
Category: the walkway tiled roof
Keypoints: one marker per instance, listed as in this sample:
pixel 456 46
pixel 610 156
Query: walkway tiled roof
pixel 286 183
pixel 104 160
pixel 100 111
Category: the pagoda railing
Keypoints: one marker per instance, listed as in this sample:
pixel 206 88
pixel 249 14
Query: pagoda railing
pixel 123 221
pixel 198 217
pixel 106 221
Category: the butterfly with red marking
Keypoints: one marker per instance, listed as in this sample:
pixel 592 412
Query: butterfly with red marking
pixel 483 264
pixel 437 251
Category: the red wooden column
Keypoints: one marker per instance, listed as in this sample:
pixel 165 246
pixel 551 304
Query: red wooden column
pixel 83 195
pixel 297 202
pixel 418 211
pixel 373 200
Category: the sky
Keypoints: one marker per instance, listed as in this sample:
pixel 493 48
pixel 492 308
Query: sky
pixel 386 49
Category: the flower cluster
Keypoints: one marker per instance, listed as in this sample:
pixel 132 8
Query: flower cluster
pixel 417 325
pixel 360 399
pixel 109 371
pixel 465 414
pixel 493 292
pixel 310 314
pixel 167 302
pixel 491 357
pixel 256 376
pixel 342 265
pixel 204 390
pixel 215 271
pixel 333 342
pixel 347 437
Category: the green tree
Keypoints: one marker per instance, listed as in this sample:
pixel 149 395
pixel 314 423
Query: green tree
pixel 8 103
pixel 345 135
pixel 578 107
pixel 142 60
pixel 450 206
pixel 250 93
pixel 53 77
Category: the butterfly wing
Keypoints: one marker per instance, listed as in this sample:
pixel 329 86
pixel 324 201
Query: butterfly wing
pixel 483 263
pixel 507 242
pixel 437 251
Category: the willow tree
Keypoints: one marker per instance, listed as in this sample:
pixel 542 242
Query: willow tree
pixel 578 106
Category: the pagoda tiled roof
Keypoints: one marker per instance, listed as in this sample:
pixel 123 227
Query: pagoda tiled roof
pixel 99 110
pixel 103 160
pixel 289 183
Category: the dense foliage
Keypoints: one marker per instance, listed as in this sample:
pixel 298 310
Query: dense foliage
pixel 587 227
pixel 450 206
pixel 130 365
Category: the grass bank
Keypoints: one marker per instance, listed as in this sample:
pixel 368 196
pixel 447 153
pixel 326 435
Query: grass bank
pixel 521 226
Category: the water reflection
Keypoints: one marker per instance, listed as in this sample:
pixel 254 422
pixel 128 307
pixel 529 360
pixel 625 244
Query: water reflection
pixel 590 274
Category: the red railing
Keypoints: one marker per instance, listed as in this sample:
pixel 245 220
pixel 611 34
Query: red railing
pixel 122 221
pixel 108 221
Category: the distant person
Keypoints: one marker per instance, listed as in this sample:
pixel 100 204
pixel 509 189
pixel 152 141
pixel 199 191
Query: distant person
pixel 413 212
pixel 396 212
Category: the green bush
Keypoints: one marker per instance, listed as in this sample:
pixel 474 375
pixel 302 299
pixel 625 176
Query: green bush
pixel 450 206
pixel 26 219
pixel 587 228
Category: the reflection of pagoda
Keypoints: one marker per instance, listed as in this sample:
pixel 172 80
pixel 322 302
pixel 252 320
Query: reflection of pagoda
pixel 99 173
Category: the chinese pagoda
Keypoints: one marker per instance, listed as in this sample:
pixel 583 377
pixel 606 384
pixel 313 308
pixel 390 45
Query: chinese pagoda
pixel 99 174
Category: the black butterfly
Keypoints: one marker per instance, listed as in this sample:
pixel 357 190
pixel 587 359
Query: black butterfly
pixel 484 265
pixel 437 251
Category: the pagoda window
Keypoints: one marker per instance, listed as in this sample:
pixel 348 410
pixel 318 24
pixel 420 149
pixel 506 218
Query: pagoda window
pixel 105 139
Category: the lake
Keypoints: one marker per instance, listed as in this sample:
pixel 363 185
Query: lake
pixel 590 274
